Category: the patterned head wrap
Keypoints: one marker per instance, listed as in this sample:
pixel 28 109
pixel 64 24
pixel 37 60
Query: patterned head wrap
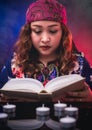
pixel 46 10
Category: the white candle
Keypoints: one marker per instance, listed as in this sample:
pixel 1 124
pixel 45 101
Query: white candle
pixel 71 111
pixel 3 116
pixel 60 106
pixel 42 110
pixel 59 109
pixel 3 119
pixel 42 113
pixel 67 122
pixel 9 108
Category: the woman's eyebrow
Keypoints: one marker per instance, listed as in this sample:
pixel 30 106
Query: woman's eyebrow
pixel 36 26
pixel 54 25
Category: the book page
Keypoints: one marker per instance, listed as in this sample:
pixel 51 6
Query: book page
pixel 62 81
pixel 23 84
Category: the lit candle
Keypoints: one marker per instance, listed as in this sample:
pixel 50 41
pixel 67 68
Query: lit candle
pixel 59 109
pixel 42 113
pixel 71 111
pixel 9 108
pixel 67 123
pixel 3 119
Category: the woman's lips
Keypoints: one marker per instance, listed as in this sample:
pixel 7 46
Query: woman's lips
pixel 45 47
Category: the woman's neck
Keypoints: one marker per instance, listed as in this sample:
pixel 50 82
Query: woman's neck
pixel 46 59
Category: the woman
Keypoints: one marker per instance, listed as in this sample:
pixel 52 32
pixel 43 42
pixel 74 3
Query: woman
pixel 45 50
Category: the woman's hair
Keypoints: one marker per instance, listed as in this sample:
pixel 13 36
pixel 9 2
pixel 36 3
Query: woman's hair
pixel 66 51
pixel 25 52
pixel 27 55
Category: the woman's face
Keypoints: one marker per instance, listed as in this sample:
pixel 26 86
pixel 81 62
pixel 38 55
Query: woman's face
pixel 46 36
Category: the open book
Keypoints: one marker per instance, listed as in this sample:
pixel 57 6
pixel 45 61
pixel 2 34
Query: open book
pixel 34 89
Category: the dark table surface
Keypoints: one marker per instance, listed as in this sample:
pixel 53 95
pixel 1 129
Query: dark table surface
pixel 27 110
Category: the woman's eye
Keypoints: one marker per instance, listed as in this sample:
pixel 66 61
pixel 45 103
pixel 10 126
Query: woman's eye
pixel 53 31
pixel 37 31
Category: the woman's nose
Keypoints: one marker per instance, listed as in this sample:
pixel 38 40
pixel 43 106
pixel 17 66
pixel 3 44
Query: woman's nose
pixel 45 38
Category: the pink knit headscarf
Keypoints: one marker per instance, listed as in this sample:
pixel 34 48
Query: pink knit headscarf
pixel 46 10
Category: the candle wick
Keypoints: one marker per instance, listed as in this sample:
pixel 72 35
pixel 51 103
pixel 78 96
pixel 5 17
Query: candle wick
pixel 7 103
pixel 58 101
pixel 70 105
pixel 42 105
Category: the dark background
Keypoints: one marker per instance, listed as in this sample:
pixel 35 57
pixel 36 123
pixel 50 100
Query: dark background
pixel 12 17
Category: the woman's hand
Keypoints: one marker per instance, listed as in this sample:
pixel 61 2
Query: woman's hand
pixel 84 95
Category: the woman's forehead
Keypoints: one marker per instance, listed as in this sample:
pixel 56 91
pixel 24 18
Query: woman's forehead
pixel 45 23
